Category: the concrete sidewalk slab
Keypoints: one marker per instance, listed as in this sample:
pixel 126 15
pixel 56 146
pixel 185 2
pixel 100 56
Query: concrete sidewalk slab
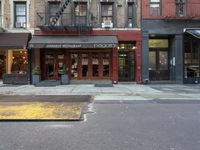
pixel 118 92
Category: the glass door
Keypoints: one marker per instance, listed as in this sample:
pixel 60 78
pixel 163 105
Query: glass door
pixel 106 65
pixel 60 64
pixel 84 64
pixel 158 65
pixel 50 66
pixel 163 66
pixel 127 66
pixel 54 64
pixel 95 65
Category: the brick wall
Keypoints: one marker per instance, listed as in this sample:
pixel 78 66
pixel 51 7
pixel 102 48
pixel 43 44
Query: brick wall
pixel 120 11
pixel 8 14
pixel 168 9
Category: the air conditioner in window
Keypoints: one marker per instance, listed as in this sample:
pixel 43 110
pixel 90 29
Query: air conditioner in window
pixel 107 24
pixel 20 25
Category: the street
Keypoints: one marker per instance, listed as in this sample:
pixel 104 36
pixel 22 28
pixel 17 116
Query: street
pixel 136 125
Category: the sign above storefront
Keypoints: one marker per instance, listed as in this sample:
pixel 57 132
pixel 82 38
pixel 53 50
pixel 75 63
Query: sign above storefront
pixel 158 43
pixel 100 45
pixel 64 42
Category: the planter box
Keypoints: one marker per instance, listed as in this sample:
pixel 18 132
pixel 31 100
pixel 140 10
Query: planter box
pixel 15 79
pixel 64 79
pixel 35 79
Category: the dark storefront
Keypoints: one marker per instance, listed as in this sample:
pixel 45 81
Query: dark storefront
pixel 86 57
pixel 163 46
pixel 192 56
pixel 14 58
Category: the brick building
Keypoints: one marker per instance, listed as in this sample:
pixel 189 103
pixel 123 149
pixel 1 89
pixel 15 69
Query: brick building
pixel 16 23
pixel 170 41
pixel 96 40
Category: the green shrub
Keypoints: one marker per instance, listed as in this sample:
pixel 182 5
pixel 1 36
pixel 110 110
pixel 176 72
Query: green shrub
pixel 36 70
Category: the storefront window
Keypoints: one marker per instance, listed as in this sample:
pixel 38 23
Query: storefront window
pixel 2 63
pixel 84 65
pixel 19 62
pixel 106 65
pixel 74 65
pixel 13 62
pixel 95 65
pixel 192 57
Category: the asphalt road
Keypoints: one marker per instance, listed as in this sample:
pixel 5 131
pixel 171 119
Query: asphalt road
pixel 113 126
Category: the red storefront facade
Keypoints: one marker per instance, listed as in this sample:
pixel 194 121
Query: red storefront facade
pixel 88 62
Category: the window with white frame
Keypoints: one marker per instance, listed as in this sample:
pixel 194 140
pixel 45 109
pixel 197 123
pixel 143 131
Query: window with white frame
pixel 181 8
pixel 20 14
pixel 155 7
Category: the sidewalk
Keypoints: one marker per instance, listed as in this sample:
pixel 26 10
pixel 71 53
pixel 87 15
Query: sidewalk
pixel 118 92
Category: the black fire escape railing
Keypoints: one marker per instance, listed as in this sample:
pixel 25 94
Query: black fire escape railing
pixel 65 21
pixel 60 12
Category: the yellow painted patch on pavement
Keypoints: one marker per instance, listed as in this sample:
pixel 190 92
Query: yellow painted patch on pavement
pixel 40 110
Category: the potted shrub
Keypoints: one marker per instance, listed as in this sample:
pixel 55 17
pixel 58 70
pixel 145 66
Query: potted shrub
pixel 64 76
pixel 36 75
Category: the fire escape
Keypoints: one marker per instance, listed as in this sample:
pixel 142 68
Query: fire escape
pixel 61 21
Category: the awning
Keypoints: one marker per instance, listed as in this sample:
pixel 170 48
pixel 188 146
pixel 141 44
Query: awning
pixel 194 32
pixel 14 40
pixel 55 41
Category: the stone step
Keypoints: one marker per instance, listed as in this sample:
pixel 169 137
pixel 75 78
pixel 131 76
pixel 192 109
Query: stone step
pixel 47 83
pixel 91 82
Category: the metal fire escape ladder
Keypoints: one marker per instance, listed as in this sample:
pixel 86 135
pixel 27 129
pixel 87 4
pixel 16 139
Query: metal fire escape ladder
pixel 60 12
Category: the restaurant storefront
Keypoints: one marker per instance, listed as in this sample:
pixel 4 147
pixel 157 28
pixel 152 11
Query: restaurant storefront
pixel 86 57
pixel 14 58
pixel 83 64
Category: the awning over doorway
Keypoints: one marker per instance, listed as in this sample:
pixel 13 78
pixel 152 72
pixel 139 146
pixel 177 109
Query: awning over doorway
pixel 55 41
pixel 194 32
pixel 14 40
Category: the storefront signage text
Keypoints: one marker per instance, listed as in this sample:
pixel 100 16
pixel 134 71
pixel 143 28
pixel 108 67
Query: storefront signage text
pixel 100 45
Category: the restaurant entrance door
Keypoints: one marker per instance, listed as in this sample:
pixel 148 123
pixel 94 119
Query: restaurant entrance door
pixel 53 65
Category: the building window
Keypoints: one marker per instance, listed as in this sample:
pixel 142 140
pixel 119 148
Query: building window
pixel 106 12
pixel 20 15
pixel 80 13
pixel 53 9
pixel 180 8
pixel 155 9
pixel 130 15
